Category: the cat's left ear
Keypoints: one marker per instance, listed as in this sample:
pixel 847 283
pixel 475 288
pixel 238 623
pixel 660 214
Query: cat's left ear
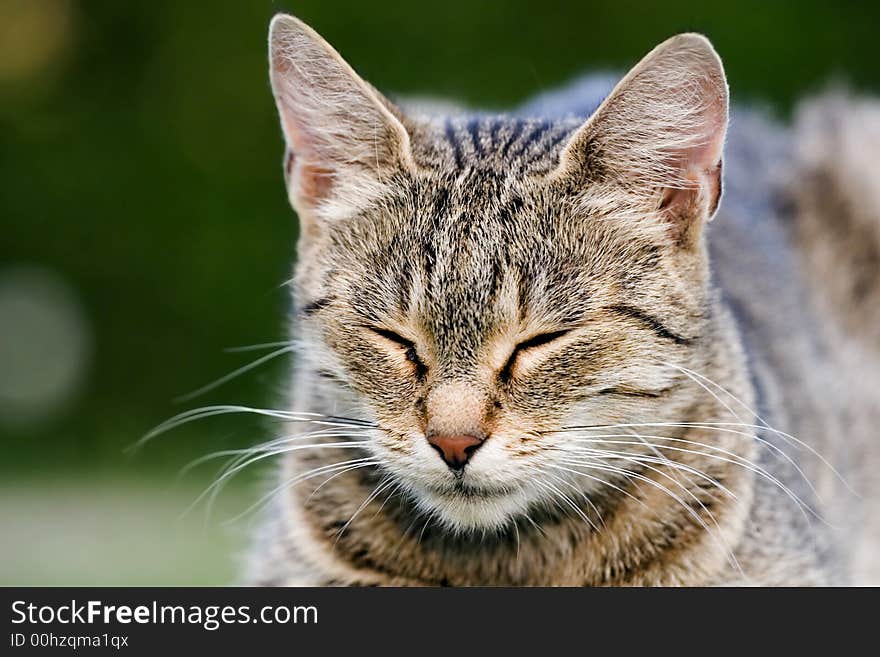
pixel 654 146
pixel 344 144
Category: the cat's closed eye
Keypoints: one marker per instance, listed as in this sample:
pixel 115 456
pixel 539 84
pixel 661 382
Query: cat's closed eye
pixel 527 345
pixel 408 347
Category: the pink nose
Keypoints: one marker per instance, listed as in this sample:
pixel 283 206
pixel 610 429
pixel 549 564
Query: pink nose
pixel 455 450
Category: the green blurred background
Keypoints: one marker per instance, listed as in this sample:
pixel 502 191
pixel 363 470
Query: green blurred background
pixel 145 227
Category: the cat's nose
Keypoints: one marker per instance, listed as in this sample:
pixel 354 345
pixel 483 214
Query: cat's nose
pixel 455 449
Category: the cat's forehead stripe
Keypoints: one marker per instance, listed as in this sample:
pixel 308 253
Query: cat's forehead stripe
pixel 506 144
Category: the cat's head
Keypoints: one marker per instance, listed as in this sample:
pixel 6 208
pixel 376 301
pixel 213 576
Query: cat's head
pixel 476 285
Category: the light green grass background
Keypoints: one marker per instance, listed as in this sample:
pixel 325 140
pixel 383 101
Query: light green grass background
pixel 81 530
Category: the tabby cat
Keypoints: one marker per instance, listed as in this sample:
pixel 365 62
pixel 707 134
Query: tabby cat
pixel 524 356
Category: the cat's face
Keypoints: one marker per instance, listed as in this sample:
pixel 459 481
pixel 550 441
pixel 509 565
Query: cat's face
pixel 475 288
pixel 443 314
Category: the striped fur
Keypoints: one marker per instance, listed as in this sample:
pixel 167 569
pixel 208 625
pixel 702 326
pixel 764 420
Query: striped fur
pixel 519 276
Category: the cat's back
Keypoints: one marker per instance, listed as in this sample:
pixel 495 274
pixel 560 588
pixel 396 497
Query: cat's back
pixel 787 271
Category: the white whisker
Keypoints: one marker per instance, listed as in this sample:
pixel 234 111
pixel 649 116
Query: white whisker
pixel 574 506
pixel 764 424
pixel 709 426
pixel 343 466
pixel 748 465
pixel 259 347
pixel 382 486
pixel 396 489
pixel 233 375
pixel 259 448
pixel 226 409
pixel 715 537
pixel 676 471
pixel 601 481
pixel 214 489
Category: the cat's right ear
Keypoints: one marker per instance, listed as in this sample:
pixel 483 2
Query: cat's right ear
pixel 653 148
pixel 343 142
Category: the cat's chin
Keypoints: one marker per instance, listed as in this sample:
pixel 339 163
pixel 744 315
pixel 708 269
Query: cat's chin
pixel 473 509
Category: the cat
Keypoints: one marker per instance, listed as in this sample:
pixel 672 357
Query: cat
pixel 524 356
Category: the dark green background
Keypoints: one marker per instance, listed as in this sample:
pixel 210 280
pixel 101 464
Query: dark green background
pixel 140 162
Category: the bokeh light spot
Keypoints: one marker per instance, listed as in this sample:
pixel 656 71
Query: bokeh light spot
pixel 32 36
pixel 45 345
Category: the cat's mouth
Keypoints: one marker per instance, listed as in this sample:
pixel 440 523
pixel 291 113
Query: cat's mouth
pixel 464 485
pixel 474 490
pixel 470 505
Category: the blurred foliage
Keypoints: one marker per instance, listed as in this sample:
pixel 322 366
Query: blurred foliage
pixel 140 161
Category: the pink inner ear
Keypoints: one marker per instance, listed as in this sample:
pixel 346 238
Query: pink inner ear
pixel 706 155
pixel 686 208
pixel 305 167
pixel 700 166
pixel 313 182
pixel 713 189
